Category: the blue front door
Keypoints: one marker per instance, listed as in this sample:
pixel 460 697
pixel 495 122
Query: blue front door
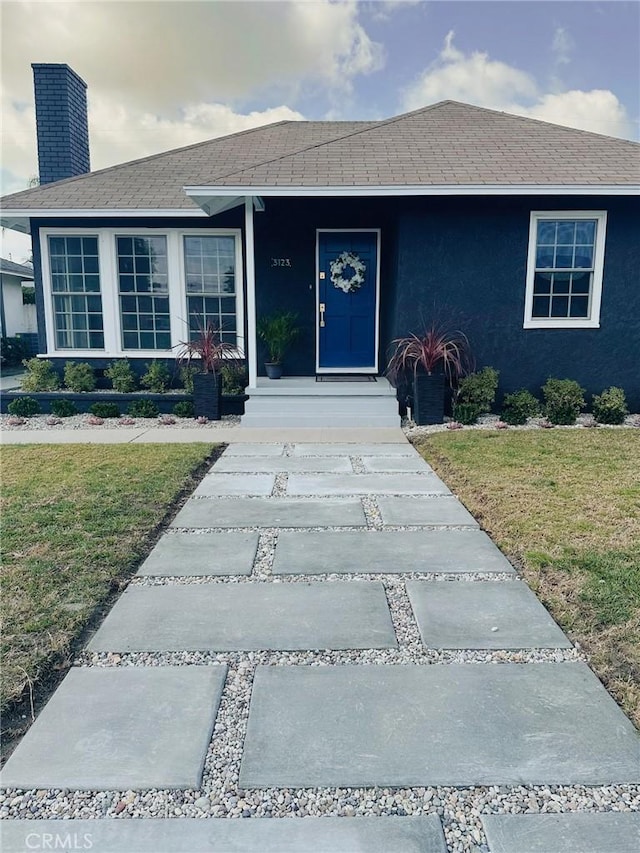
pixel 347 301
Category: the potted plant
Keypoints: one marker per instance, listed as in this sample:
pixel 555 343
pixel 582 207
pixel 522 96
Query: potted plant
pixel 427 360
pixel 278 331
pixel 204 356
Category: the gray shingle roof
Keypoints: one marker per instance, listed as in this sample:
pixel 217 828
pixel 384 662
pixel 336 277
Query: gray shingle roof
pixel 11 268
pixel 448 143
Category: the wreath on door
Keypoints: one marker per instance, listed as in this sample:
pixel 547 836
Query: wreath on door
pixel 340 265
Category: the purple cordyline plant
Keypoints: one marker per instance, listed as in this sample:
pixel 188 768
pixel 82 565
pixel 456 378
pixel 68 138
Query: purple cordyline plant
pixel 207 350
pixel 436 349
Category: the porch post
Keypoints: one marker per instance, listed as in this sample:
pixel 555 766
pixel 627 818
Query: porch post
pixel 250 266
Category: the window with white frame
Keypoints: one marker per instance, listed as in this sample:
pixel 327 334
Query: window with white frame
pixel 565 267
pixel 210 275
pixel 143 287
pixel 75 292
pixel 139 290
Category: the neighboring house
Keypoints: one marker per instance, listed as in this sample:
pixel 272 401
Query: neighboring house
pixel 522 233
pixel 17 308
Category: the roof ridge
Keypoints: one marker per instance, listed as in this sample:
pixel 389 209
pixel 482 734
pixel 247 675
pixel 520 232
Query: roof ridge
pixel 372 125
pixel 536 121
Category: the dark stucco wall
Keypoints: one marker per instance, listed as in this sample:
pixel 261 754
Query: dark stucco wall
pixel 463 261
pixel 459 259
pixel 466 260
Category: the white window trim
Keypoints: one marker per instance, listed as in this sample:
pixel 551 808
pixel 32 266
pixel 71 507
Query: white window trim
pixel 109 290
pixel 593 321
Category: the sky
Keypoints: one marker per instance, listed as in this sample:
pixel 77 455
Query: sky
pixel 161 75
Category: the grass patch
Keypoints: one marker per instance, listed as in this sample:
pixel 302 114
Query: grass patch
pixel 77 520
pixel 565 508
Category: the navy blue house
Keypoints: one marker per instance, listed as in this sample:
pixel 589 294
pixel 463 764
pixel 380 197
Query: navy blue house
pixel 523 234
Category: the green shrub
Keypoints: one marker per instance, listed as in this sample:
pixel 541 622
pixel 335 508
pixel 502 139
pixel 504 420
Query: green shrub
pixel 79 376
pixel 466 413
pixel 40 376
pixel 186 377
pixel 519 406
pixel 64 408
pixel 479 389
pixel 234 379
pixel 157 378
pixel 563 400
pixel 24 407
pixel 13 351
pixel 184 409
pixel 122 377
pixel 143 409
pixel 105 410
pixel 610 407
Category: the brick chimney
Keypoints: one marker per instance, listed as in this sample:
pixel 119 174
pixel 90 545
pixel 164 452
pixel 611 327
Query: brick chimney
pixel 61 122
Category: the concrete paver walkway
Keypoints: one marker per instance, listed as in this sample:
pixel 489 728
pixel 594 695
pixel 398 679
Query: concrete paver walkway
pixel 248 568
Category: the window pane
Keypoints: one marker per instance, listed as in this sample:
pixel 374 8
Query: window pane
pixel 565 235
pixel 564 257
pixel 75 274
pixel 210 270
pixel 143 315
pixel 540 306
pixel 56 246
pixel 546 232
pixel 561 282
pixel 586 231
pixel 565 246
pixel 560 306
pixel 581 283
pixel 579 306
pixel 544 257
pixel 584 257
pixel 542 283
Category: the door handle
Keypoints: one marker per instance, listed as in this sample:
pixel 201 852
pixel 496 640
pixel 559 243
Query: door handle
pixel 322 310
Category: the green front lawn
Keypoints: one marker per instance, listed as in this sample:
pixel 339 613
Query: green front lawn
pixel 564 506
pixel 76 521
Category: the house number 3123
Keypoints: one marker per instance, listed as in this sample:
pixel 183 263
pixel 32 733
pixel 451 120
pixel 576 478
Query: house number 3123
pixel 280 262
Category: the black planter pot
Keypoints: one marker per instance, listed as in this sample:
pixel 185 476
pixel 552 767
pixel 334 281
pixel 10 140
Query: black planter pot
pixel 207 393
pixel 428 398
pixel 274 369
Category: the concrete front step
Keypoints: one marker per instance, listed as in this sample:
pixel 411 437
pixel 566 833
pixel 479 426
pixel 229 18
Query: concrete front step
pixel 421 834
pixel 327 418
pixel 302 402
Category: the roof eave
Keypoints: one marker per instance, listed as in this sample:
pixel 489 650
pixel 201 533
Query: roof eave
pixel 203 192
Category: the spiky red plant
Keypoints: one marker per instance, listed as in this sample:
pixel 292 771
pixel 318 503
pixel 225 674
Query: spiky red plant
pixel 207 350
pixel 436 349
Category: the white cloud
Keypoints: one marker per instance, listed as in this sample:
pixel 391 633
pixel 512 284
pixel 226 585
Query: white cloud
pixel 562 46
pixel 166 74
pixel 156 55
pixel 598 111
pixel 472 78
pixel 477 79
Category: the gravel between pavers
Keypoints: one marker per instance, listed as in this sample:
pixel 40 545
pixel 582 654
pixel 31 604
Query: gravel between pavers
pixel 460 809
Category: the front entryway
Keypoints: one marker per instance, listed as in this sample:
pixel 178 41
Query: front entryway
pixel 347 291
